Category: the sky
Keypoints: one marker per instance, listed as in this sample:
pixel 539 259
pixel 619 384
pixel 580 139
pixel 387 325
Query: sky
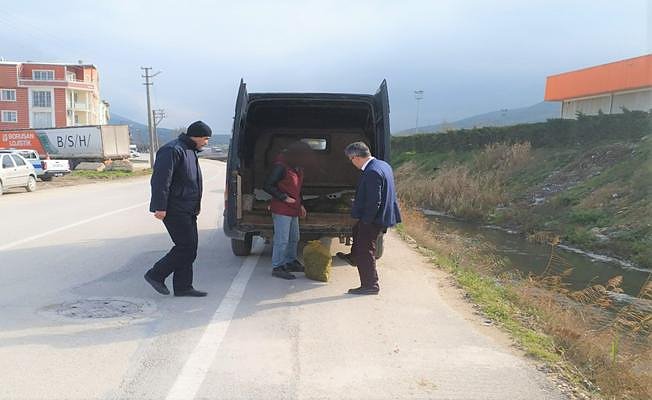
pixel 468 57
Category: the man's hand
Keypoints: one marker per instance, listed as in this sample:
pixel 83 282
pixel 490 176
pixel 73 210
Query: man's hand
pixel 160 215
pixel 303 212
pixel 289 200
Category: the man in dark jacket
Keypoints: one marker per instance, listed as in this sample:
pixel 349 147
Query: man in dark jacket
pixel 376 209
pixel 176 200
pixel 284 184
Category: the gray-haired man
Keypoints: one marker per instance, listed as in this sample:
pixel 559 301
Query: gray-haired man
pixel 376 209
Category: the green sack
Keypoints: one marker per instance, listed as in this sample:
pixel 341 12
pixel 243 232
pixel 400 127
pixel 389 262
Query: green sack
pixel 317 260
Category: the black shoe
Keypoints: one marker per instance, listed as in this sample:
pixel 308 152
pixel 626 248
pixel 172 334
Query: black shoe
pixel 281 272
pixel 346 257
pixel 364 290
pixel 190 293
pixel 157 285
pixel 295 266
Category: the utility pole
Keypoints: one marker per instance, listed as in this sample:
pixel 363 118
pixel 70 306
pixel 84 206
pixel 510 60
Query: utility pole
pixel 158 116
pixel 150 127
pixel 418 95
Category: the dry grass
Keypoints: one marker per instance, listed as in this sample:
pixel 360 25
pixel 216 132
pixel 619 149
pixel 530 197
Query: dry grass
pixel 597 344
pixel 469 192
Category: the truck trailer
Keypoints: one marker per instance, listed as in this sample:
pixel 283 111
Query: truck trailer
pixel 77 144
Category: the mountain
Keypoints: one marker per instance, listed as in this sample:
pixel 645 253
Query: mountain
pixel 539 112
pixel 139 135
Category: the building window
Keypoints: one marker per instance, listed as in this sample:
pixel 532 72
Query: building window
pixel 9 116
pixel 7 94
pixel 41 119
pixel 43 75
pixel 41 98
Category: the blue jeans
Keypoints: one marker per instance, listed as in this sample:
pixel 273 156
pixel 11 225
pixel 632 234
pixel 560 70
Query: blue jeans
pixel 286 239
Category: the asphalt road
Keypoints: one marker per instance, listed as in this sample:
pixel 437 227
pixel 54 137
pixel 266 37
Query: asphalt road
pixel 71 256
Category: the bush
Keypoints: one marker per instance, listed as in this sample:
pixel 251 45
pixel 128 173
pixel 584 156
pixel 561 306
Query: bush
pixel 553 133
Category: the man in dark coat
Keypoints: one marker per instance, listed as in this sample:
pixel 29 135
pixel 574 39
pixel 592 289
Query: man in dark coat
pixel 176 200
pixel 376 209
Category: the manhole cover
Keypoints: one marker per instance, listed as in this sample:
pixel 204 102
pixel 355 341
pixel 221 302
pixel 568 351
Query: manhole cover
pixel 95 308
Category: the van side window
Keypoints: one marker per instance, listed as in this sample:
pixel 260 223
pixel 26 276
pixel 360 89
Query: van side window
pixel 6 162
pixel 19 161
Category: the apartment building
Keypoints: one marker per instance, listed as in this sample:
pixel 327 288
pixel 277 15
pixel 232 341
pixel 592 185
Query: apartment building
pixel 45 95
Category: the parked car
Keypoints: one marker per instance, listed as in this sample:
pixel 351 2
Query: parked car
pixel 15 171
pixel 34 159
pixel 266 123
pixel 134 153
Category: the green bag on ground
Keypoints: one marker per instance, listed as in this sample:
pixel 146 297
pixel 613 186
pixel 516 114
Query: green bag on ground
pixel 317 260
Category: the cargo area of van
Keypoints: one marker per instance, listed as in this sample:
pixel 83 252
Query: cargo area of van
pixel 269 123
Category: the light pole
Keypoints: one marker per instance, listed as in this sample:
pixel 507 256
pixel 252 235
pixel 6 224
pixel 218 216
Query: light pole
pixel 418 95
pixel 150 127
pixel 158 116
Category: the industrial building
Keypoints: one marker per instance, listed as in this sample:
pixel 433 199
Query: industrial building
pixel 46 95
pixel 607 88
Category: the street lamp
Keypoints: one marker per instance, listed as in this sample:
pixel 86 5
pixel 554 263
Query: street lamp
pixel 418 95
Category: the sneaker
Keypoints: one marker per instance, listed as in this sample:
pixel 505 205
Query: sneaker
pixel 295 266
pixel 281 272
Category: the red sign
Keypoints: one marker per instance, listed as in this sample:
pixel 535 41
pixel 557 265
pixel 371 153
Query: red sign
pixel 23 139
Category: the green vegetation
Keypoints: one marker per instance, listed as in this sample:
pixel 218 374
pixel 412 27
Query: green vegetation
pixel 587 180
pixel 109 175
pixel 601 347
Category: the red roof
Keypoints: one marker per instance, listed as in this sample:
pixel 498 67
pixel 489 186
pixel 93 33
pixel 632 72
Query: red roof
pixel 630 74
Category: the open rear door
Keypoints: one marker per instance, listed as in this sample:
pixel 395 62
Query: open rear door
pixel 383 137
pixel 233 162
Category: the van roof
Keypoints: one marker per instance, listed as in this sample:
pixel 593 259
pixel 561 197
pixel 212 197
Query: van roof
pixel 309 96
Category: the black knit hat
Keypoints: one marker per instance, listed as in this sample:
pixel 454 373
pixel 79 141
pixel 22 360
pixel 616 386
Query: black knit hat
pixel 199 129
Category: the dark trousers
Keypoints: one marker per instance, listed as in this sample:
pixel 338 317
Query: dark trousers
pixel 183 231
pixel 363 251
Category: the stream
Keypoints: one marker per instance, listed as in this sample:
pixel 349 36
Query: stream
pixel 528 257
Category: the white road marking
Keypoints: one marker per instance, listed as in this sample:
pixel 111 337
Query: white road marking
pixel 63 228
pixel 196 367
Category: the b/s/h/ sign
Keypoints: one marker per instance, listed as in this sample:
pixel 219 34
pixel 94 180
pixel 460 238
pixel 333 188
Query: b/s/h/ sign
pixel 86 141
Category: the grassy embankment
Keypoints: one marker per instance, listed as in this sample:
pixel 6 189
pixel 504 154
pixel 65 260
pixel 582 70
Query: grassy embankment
pixel 109 175
pixel 589 181
pixel 550 180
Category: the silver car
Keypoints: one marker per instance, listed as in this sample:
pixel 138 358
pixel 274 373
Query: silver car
pixel 15 171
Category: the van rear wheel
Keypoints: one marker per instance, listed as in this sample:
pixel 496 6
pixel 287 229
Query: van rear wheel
pixel 242 248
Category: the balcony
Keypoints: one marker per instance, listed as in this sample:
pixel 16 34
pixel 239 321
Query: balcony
pixel 67 83
pixel 78 106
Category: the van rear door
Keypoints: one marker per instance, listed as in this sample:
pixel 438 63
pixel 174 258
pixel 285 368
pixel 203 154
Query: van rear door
pixel 383 137
pixel 233 160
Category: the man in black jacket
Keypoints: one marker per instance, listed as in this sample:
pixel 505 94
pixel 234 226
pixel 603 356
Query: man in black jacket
pixel 176 200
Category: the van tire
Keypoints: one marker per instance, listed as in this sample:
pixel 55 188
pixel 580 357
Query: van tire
pixel 31 184
pixel 242 248
pixel 380 246
pixel 46 178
